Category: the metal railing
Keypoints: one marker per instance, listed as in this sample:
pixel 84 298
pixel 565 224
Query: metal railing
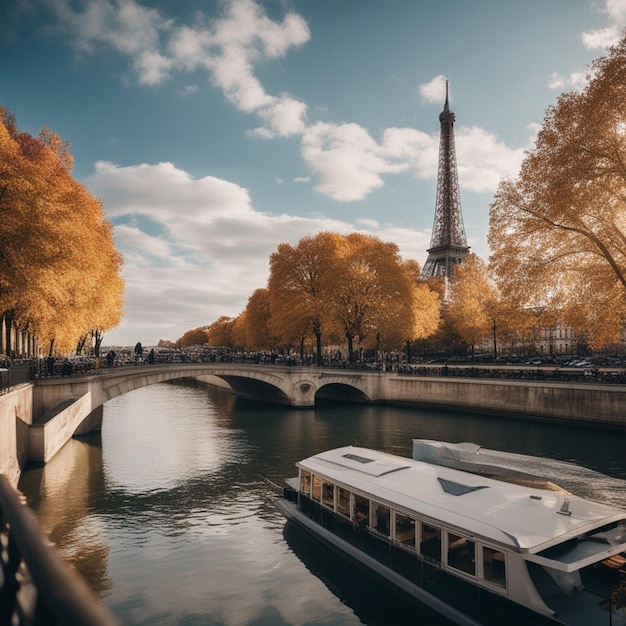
pixel 36 586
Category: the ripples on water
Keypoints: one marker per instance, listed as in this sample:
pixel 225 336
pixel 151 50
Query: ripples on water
pixel 166 513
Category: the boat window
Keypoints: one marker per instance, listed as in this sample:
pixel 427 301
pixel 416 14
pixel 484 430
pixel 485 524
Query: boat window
pixel 461 553
pixel 430 543
pixel 317 488
pixel 405 530
pixel 305 482
pixel 361 511
pixel 494 566
pixel 343 501
pixel 328 493
pixel 382 519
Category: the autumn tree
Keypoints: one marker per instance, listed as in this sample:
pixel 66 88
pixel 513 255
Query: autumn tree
pixel 558 232
pixel 60 274
pixel 257 328
pixel 298 287
pixel 167 344
pixel 220 332
pixel 471 295
pixel 195 337
pixel 373 296
pixel 422 314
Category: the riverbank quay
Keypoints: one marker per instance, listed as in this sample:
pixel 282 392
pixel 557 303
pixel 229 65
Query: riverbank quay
pixel 38 418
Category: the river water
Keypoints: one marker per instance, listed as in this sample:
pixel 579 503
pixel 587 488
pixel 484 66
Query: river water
pixel 166 512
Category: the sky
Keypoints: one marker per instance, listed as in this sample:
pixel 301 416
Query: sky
pixel 214 130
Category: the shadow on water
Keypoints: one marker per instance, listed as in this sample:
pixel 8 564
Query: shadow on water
pixel 372 604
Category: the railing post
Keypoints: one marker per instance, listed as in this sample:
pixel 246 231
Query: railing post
pixel 9 562
pixel 53 592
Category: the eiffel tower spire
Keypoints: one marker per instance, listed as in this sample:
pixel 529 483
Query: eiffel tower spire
pixel 448 244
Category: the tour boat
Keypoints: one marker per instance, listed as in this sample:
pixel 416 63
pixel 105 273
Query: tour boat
pixel 475 549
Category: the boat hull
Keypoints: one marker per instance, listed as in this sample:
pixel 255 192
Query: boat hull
pixel 406 588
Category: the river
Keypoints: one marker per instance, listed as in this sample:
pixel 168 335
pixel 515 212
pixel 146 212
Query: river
pixel 166 511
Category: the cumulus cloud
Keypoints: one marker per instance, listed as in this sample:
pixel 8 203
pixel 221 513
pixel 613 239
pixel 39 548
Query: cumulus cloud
pixel 597 39
pixel 434 91
pixel 349 163
pixel 227 48
pixel 346 162
pixel 602 38
pixel 346 159
pixel 574 80
pixel 483 159
pixel 208 249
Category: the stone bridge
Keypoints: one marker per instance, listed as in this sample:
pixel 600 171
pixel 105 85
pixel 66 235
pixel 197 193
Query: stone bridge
pixel 38 418
pixel 291 386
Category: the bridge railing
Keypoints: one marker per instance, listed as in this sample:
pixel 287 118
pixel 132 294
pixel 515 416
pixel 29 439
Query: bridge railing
pixel 36 585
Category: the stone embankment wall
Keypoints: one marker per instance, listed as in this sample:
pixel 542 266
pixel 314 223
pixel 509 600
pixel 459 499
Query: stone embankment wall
pixel 16 410
pixel 590 405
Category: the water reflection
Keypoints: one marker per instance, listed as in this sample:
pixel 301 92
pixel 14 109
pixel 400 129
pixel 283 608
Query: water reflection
pixel 167 514
pixel 66 495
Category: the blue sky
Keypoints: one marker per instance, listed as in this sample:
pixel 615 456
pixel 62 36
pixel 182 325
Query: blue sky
pixel 214 130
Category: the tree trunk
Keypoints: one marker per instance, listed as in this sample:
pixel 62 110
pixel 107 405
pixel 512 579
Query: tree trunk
pixel 318 341
pixel 8 319
pixel 80 345
pixel 97 336
pixel 350 339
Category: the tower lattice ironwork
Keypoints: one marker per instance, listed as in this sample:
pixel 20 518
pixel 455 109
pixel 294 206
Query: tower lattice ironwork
pixel 448 244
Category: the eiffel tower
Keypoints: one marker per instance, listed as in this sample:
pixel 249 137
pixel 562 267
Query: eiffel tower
pixel 448 244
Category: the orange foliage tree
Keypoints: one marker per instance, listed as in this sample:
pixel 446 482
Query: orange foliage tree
pixel 60 273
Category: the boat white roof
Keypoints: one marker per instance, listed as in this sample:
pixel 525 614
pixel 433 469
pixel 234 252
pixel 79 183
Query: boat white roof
pixel 523 518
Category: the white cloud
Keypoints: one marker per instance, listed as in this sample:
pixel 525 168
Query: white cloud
pixel 346 159
pixel 433 92
pixel 574 80
pixel 602 38
pixel 350 164
pixel 209 250
pixel 483 159
pixel 597 39
pixel 124 25
pixel 347 162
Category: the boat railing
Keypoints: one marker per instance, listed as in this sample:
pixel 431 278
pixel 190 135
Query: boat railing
pixel 36 585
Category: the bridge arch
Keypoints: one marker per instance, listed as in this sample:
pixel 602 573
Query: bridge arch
pixel 248 382
pixel 341 392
